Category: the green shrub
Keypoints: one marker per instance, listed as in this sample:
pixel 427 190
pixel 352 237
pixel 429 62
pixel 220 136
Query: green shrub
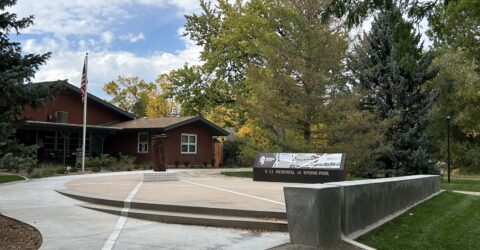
pixel 61 170
pixel 125 161
pixel 30 169
pixel 106 161
pixel 20 157
pixel 73 169
pixel 44 171
pixel 232 152
pixel 91 162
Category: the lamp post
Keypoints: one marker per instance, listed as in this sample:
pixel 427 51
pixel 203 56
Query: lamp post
pixel 448 146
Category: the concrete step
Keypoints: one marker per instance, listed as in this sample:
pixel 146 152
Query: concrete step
pixel 266 223
pixel 179 208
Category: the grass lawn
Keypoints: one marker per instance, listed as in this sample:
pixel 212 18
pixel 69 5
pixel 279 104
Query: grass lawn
pixel 447 221
pixel 9 178
pixel 461 185
pixel 247 174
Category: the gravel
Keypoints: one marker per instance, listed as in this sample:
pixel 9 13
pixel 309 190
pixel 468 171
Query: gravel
pixel 15 234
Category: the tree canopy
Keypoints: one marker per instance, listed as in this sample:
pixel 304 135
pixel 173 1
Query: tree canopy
pixel 287 75
pixel 392 71
pixel 143 99
pixel 16 69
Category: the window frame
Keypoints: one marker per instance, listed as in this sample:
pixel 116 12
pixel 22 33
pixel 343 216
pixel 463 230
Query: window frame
pixel 188 143
pixel 142 143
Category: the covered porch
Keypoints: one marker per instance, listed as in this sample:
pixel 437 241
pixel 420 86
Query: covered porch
pixel 61 143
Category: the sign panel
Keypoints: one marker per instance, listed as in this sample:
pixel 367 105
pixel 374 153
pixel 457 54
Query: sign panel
pixel 299 167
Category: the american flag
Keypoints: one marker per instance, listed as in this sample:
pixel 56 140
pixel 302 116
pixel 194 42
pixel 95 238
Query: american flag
pixel 83 84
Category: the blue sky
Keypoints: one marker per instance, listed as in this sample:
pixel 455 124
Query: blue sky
pixel 123 37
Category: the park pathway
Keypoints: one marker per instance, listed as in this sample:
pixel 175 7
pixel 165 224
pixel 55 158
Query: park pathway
pixel 467 192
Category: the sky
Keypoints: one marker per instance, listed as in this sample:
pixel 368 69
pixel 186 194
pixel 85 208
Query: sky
pixel 123 37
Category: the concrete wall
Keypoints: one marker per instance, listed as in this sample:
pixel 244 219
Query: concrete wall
pixel 313 216
pixel 315 210
pixel 368 201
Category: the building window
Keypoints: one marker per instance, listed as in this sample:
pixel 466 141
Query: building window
pixel 189 144
pixel 142 142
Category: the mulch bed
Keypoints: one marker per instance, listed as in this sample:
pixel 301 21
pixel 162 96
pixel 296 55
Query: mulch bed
pixel 15 234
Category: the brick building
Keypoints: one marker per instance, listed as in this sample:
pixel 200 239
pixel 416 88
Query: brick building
pixel 57 130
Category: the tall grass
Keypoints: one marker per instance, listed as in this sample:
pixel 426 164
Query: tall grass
pixel 47 170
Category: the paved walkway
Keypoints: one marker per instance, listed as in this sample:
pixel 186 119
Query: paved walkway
pixel 467 192
pixel 66 226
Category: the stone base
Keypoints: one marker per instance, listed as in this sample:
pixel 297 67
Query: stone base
pixel 160 176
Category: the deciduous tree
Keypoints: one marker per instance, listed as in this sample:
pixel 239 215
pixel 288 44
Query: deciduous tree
pixel 300 67
pixel 143 99
pixel 458 88
pixel 130 94
pixel 275 59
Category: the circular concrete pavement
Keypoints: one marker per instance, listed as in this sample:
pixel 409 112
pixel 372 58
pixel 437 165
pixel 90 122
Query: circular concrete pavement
pixel 64 225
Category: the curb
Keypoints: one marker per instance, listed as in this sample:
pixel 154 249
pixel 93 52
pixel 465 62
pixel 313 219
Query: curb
pixel 156 206
pixel 184 214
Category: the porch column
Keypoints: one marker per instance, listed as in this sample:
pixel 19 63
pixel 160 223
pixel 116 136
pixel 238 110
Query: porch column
pixel 65 135
pixel 158 147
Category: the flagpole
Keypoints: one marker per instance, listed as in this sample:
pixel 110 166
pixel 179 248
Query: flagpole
pixel 85 114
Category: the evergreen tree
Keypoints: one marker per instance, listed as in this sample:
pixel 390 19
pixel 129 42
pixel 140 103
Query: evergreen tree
pixel 392 71
pixel 16 69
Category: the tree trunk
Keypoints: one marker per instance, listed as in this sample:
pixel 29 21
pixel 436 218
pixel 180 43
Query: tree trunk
pixel 307 128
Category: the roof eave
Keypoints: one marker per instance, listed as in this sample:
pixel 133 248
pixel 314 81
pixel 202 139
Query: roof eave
pixel 220 131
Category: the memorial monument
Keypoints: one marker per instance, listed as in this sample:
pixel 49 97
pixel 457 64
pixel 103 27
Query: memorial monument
pixel 300 167
pixel 159 161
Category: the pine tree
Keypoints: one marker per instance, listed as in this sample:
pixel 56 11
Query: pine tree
pixel 16 69
pixel 392 71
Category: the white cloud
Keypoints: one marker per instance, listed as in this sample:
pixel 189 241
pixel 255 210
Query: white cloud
pixel 130 37
pixel 93 24
pixel 107 37
pixel 89 17
pixel 105 65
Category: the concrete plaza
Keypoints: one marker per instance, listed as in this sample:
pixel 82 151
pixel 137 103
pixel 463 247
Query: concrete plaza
pixel 196 187
pixel 64 225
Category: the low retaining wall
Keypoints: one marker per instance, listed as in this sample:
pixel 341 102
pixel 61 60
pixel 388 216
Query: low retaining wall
pixel 319 214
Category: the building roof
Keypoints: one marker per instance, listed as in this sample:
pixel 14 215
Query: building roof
pixel 168 123
pixel 162 122
pixel 91 97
